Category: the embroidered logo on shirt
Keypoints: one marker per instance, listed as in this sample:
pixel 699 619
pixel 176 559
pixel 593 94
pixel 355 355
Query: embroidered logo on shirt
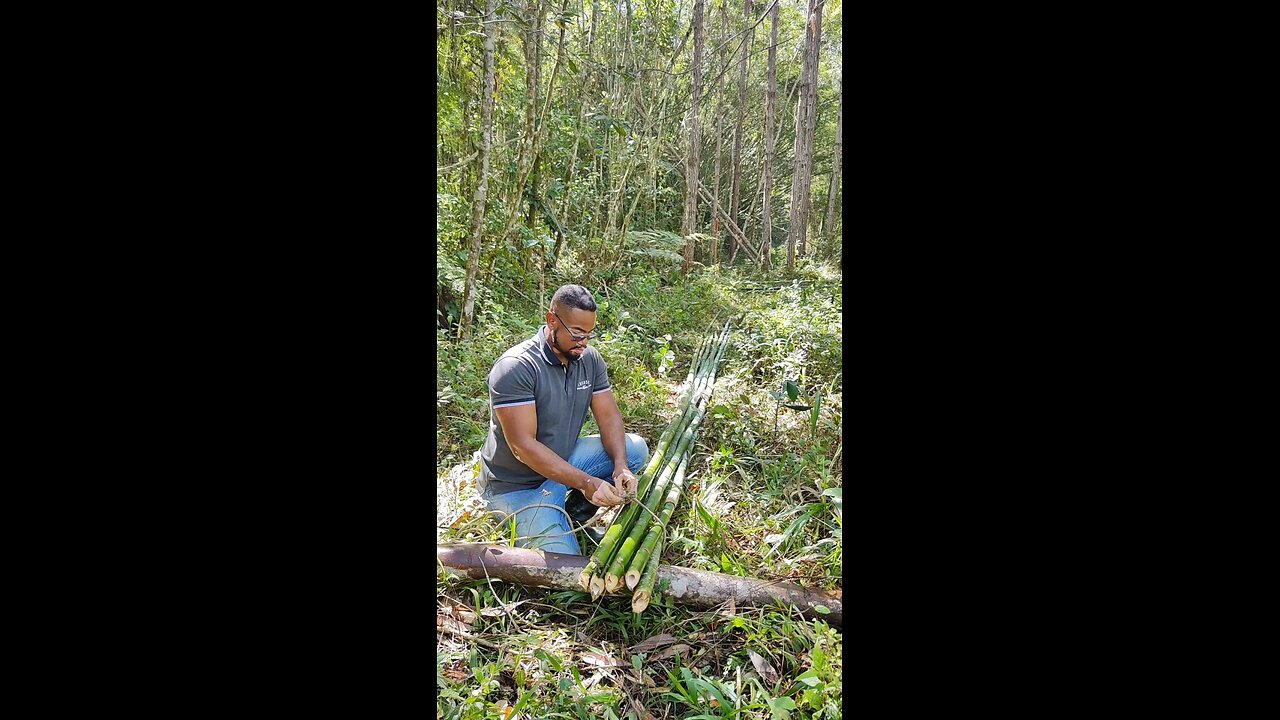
pixel 584 385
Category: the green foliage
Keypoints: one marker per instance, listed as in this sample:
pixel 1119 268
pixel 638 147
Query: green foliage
pixel 759 664
pixel 764 485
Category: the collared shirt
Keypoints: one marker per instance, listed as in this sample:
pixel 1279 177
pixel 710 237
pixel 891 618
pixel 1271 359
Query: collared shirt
pixel 531 374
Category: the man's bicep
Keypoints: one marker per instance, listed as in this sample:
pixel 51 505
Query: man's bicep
pixel 519 423
pixel 600 376
pixel 511 383
pixel 604 405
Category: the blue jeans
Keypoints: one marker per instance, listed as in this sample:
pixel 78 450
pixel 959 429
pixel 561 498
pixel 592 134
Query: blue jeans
pixel 547 528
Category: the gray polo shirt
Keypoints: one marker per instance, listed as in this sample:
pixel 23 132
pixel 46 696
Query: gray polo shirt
pixel 531 374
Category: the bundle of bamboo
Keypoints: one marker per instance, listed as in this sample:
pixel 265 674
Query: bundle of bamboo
pixel 633 543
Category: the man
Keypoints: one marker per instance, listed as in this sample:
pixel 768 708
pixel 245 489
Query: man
pixel 533 464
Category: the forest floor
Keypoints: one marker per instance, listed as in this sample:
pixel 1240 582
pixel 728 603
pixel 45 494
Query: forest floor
pixel 763 499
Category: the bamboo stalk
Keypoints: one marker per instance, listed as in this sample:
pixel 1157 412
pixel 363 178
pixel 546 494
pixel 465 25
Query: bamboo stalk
pixel 619 565
pixel 696 402
pixel 629 556
pixel 640 598
pixel 615 573
pixel 603 553
pixel 655 481
pixel 651 538
pixel 622 537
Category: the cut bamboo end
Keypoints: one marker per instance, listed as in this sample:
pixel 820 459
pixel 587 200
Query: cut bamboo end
pixel 597 587
pixel 639 601
pixel 633 579
pixel 611 583
pixel 585 579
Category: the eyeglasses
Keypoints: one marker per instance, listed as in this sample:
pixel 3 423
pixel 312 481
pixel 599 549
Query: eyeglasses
pixel 576 337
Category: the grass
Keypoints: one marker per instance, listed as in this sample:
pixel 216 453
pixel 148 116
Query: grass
pixel 762 500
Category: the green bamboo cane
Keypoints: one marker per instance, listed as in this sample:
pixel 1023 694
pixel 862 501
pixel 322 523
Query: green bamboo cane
pixel 656 461
pixel 698 358
pixel 654 501
pixel 641 558
pixel 623 526
pixel 634 559
pixel 700 391
pixel 705 379
pixel 634 530
pixel 641 597
pixel 613 577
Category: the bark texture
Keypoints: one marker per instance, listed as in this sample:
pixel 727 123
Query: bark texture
pixel 770 103
pixel 696 588
pixel 482 186
pixel 735 185
pixel 835 163
pixel 689 225
pixel 806 121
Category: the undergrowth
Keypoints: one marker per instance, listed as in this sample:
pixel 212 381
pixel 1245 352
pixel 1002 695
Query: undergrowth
pixel 763 499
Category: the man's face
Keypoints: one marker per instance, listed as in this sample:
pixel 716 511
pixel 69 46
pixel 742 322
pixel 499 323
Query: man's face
pixel 568 322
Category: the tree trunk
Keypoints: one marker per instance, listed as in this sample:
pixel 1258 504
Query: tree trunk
pixel 560 57
pixel 715 174
pixel 528 148
pixel 750 217
pixel 729 225
pixel 689 225
pixel 696 588
pixel 835 163
pixel 811 127
pixel 770 100
pixel 735 184
pixel 482 187
pixel 577 135
pixel 805 106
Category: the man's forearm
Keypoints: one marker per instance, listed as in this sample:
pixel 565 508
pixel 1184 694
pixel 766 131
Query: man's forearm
pixel 543 460
pixel 614 441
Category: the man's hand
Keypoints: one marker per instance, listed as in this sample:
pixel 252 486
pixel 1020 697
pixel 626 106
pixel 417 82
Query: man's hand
pixel 628 482
pixel 602 493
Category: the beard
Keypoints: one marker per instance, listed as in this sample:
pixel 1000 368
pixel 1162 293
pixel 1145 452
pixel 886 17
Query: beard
pixel 573 358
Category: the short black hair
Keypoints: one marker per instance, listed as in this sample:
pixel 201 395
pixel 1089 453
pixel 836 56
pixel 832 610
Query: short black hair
pixel 574 296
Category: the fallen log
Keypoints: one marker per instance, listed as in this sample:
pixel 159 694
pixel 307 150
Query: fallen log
pixel 696 588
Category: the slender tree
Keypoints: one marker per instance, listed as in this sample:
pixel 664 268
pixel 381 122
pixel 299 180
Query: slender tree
pixel 811 117
pixel 835 161
pixel 770 99
pixel 535 12
pixel 482 187
pixel 715 174
pixel 735 184
pixel 806 105
pixel 689 225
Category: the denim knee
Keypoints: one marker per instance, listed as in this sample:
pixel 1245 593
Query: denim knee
pixel 637 452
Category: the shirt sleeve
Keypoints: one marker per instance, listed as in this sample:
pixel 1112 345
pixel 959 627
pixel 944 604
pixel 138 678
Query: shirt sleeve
pixel 600 382
pixel 511 383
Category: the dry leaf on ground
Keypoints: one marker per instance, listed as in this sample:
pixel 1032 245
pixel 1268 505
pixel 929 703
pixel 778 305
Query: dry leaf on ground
pixel 652 643
pixel 461 612
pixel 592 681
pixel 448 622
pixel 643 677
pixel 729 610
pixel 457 672
pixel 508 607
pixel 680 649
pixel 601 659
pixel 763 667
